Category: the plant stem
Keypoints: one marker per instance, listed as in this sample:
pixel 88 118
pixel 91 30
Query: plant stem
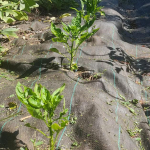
pixel 71 61
pixel 51 140
pixel 56 138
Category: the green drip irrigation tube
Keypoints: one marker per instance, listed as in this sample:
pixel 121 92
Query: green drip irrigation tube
pixel 69 114
pixel 116 111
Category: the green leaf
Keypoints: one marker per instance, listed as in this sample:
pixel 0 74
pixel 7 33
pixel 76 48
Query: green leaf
pixel 66 28
pixel 63 112
pixel 20 94
pixel 35 102
pixel 132 110
pixel 10 32
pixel 56 127
pixel 74 9
pixel 64 123
pixel 45 95
pixel 102 13
pixel 58 91
pixel 37 90
pixel 38 143
pixel 87 25
pixel 11 96
pixel 54 50
pixel 74 66
pixel 20 15
pixel 138 139
pixel 85 36
pixel 1 14
pixel 28 125
pixel 2 106
pixel 122 97
pixel 86 17
pixel 28 4
pixel 35 113
pixel 135 101
pixel 31 139
pixel 9 11
pixel 76 21
pixel 64 15
pixel 56 31
pixel 22 6
pixel 8 19
pixel 61 40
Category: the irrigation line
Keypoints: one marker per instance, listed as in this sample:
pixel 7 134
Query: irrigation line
pixel 69 114
pixel 116 111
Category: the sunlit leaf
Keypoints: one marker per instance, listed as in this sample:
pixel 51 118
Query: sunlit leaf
pixel 54 50
pixel 10 32
pixel 20 15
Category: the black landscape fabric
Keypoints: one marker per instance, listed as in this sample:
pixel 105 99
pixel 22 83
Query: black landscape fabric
pixel 114 70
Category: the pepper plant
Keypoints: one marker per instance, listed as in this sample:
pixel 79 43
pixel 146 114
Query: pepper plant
pixel 89 8
pixel 76 33
pixel 41 104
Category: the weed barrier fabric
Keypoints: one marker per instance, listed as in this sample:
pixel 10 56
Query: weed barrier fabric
pixel 114 67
